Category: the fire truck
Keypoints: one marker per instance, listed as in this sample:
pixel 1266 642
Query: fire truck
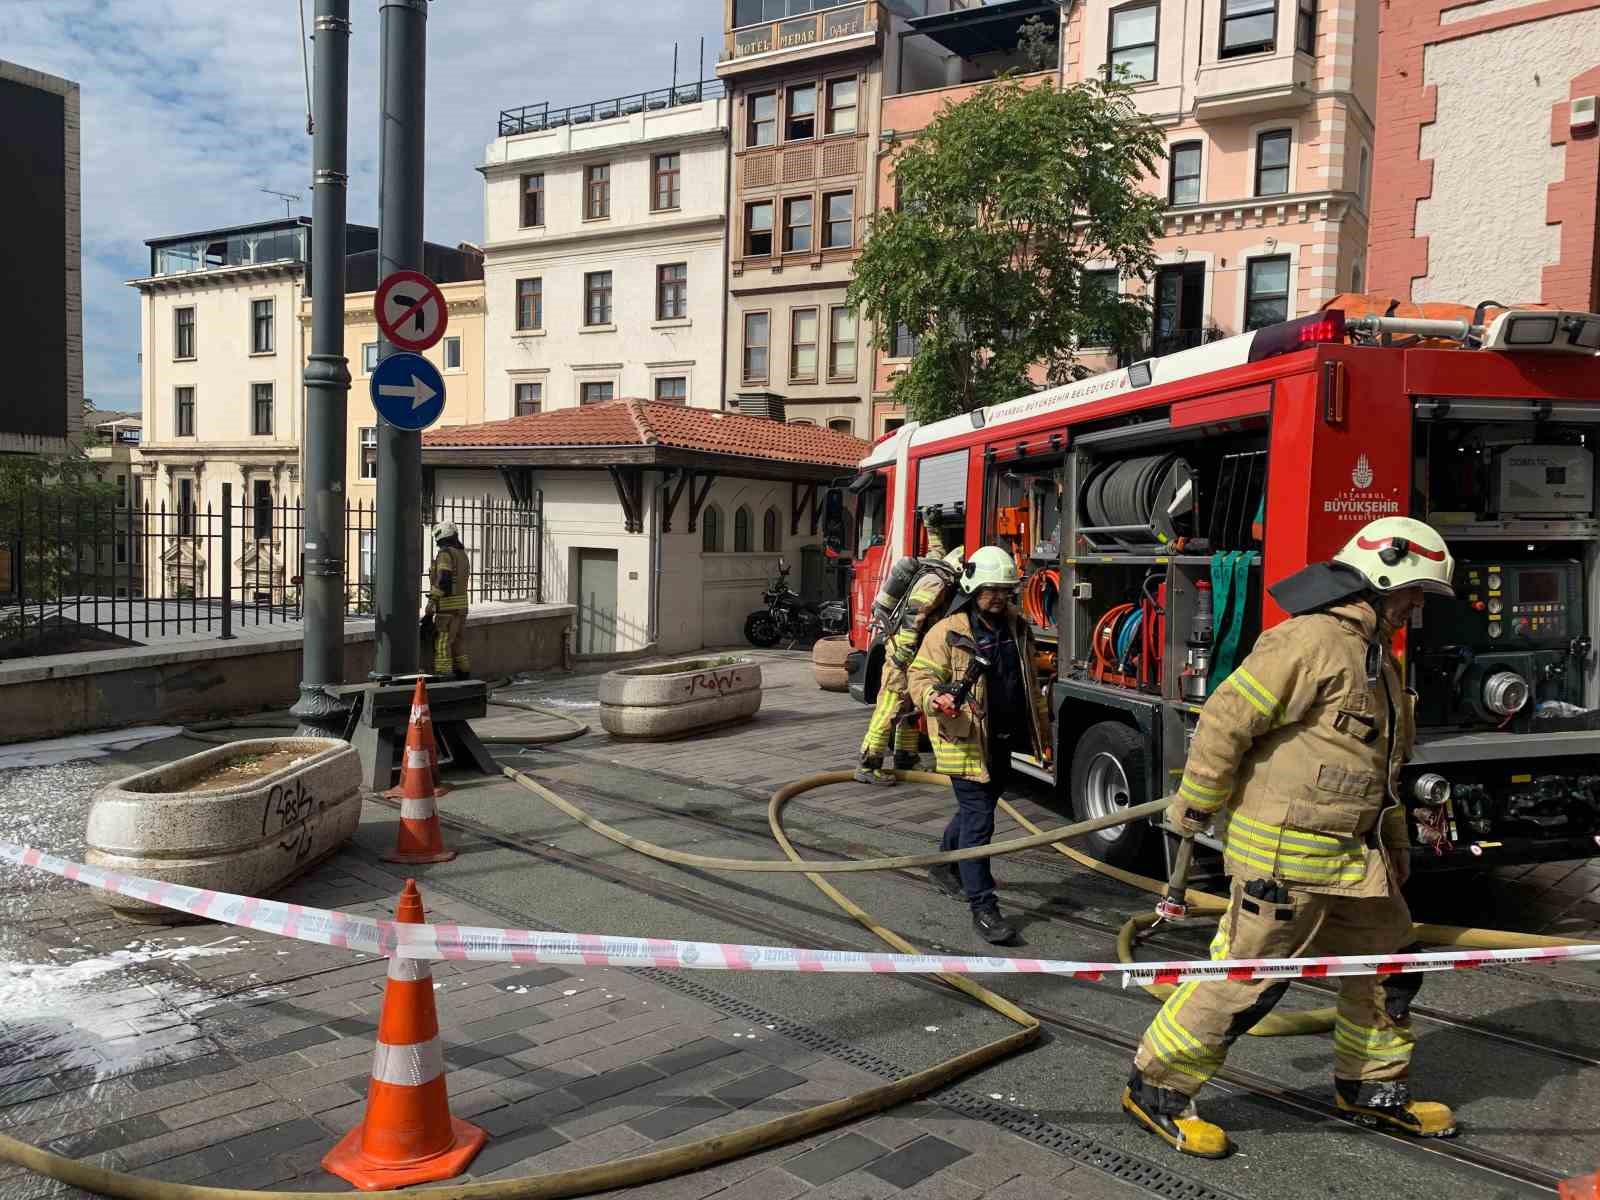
pixel 1150 507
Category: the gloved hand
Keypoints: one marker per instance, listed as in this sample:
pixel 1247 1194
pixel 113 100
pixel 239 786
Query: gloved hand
pixel 1186 819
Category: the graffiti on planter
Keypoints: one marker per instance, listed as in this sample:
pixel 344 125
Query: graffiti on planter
pixel 719 683
pixel 291 811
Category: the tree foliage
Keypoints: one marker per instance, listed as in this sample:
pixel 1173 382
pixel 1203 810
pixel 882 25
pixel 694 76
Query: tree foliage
pixel 1005 202
pixel 55 514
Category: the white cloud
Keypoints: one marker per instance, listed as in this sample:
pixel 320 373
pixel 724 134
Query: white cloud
pixel 190 106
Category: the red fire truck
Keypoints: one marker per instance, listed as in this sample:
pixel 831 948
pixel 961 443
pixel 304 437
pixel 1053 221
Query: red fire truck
pixel 1152 505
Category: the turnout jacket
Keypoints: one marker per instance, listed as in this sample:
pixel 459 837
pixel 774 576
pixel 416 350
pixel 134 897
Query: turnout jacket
pixel 450 595
pixel 961 742
pixel 1305 752
pixel 926 601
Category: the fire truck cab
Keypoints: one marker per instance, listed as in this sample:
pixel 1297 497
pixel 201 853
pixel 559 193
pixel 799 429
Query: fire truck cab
pixel 1150 507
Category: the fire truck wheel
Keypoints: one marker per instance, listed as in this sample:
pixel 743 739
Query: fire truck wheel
pixel 1109 774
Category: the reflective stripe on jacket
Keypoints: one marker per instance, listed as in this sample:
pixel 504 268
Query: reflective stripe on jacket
pixel 960 743
pixel 452 559
pixel 926 601
pixel 1296 744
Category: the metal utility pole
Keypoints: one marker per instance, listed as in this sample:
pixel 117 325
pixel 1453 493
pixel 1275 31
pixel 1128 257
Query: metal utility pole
pixel 327 385
pixel 402 76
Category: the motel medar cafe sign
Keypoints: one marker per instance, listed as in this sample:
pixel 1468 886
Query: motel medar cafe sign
pixel 800 31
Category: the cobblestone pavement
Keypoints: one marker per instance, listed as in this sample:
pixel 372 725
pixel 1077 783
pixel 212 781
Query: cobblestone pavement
pixel 202 1054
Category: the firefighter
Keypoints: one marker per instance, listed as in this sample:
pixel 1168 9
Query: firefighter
pixel 1303 744
pixel 1004 710
pixel 447 601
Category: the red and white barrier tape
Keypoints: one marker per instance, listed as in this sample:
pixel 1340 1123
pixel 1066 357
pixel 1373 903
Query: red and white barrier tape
pixel 460 942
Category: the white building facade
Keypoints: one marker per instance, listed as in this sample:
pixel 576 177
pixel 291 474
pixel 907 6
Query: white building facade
pixel 605 253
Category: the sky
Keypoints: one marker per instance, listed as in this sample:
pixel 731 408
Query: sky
pixel 189 107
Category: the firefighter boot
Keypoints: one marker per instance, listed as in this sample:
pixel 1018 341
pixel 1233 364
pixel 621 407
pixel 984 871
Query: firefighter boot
pixel 1388 1104
pixel 1171 1116
pixel 872 771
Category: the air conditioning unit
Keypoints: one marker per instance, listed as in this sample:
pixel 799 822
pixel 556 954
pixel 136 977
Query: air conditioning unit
pixel 1583 113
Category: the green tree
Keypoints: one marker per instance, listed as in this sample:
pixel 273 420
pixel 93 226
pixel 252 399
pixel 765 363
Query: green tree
pixel 56 532
pixel 1005 202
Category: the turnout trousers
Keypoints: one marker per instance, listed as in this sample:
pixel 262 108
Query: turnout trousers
pixel 449 644
pixel 1372 1041
pixel 893 722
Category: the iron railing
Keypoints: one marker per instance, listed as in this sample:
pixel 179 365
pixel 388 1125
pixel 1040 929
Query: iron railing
pixel 91 576
pixel 532 118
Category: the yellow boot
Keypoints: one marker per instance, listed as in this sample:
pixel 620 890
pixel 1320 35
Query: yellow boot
pixel 1388 1105
pixel 1171 1117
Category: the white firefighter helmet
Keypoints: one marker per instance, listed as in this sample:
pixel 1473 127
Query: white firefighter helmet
pixel 1393 553
pixel 445 529
pixel 989 566
pixel 954 558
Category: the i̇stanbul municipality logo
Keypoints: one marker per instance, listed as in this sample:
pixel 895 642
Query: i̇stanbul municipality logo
pixel 1360 504
pixel 1362 475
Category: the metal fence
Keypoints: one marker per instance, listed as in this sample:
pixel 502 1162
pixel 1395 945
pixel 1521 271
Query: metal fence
pixel 86 576
pixel 531 118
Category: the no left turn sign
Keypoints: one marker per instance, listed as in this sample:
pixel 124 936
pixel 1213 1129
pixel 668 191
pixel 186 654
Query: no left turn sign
pixel 411 310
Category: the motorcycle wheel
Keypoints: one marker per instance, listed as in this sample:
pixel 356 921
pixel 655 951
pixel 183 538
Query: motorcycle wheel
pixel 761 630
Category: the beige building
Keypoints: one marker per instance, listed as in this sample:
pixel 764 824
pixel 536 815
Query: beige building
pixel 604 260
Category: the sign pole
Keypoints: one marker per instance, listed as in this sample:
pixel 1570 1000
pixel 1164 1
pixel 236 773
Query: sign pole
pixel 327 376
pixel 403 31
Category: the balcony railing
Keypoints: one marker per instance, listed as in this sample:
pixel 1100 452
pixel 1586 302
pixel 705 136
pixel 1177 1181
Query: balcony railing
pixel 796 33
pixel 533 118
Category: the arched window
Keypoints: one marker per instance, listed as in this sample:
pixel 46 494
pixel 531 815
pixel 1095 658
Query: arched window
pixel 842 425
pixel 770 537
pixel 711 530
pixel 741 530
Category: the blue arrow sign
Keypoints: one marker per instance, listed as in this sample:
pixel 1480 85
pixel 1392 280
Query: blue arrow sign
pixel 408 391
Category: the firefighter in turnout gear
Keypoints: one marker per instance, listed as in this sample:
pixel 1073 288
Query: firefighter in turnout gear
pixel 447 601
pixel 894 718
pixel 1303 746
pixel 975 680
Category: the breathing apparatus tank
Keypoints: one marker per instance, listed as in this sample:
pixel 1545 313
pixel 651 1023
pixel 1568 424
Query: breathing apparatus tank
pixel 895 586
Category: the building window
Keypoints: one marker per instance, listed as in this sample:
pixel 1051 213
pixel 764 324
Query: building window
pixel 597 191
pixel 261 508
pixel 183 333
pixel 839 220
pixel 452 354
pixel 905 344
pixel 757 336
pixel 802 115
pixel 185 507
pixel 1248 26
pixel 1272 163
pixel 890 424
pixel 1099 286
pixel 803 344
pixel 529 399
pixel 261 326
pixel 758 229
pixel 1183 175
pixel 597 298
pixel 842 425
pixel 1266 291
pixel 672 389
pixel 741 530
pixel 672 292
pixel 1131 54
pixel 1364 175
pixel 667 189
pixel 1305 26
pixel 183 421
pixel 842 106
pixel 771 532
pixel 369 452
pixel 841 343
pixel 596 393
pixel 797 225
pixel 122 489
pixel 532 200
pixel 1355 277
pixel 261 408
pixel 369 357
pixel 763 129
pixel 711 530
pixel 530 304
pixel 368 555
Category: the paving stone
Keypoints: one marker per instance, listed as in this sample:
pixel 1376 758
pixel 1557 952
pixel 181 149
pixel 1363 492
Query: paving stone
pixel 513 1148
pixel 201 1137
pixel 945 1186
pixel 510 1022
pixel 917 1160
pixel 1025 1187
pixel 273 1047
pixel 612 1083
pixel 771 1184
pixel 109 1137
pixel 858 1185
pixel 530 978
pixel 768 1081
pixel 832 1159
pixel 685 1114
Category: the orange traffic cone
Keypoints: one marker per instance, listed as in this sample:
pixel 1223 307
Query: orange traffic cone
pixel 422 719
pixel 407 1134
pixel 419 839
pixel 1582 1187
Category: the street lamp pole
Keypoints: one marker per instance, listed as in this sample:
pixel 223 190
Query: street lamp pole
pixel 327 378
pixel 403 35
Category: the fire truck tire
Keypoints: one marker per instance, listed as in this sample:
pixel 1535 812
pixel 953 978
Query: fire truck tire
pixel 1109 773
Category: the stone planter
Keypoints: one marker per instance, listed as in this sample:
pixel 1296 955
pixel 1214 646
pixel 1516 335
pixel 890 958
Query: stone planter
pixel 827 664
pixel 672 699
pixel 246 818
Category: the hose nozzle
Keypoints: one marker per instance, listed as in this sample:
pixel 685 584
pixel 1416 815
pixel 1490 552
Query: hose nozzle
pixel 1173 906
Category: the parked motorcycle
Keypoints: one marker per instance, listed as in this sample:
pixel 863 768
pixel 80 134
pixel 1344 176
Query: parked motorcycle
pixel 788 618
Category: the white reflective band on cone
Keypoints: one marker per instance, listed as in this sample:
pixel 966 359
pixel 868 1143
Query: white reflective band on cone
pixel 408 1066
pixel 419 712
pixel 409 970
pixel 417 758
pixel 417 810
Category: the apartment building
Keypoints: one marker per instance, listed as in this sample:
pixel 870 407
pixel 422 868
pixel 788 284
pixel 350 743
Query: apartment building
pixel 1487 185
pixel 604 260
pixel 1268 111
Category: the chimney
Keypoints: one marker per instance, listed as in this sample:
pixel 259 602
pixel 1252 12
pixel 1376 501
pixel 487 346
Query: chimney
pixel 767 405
